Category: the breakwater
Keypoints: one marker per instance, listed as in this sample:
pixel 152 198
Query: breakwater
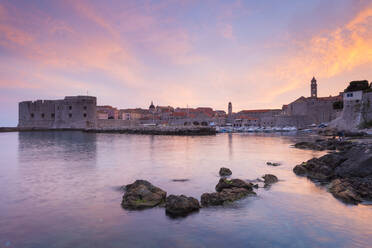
pixel 154 130
pixel 158 130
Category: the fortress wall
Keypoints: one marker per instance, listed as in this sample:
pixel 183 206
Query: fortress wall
pixel 316 110
pixel 72 112
pixel 367 107
pixel 76 112
pixel 321 112
pixel 298 121
pixel 36 114
pixel 115 123
pixel 355 113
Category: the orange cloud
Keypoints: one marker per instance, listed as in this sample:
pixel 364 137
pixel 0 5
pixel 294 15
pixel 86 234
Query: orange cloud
pixel 326 55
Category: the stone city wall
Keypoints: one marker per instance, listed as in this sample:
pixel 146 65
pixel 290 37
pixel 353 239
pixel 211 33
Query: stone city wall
pixel 115 124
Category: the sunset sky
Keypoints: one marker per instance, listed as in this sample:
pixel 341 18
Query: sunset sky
pixel 257 54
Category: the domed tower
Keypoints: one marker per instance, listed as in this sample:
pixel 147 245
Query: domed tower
pixel 314 88
pixel 152 107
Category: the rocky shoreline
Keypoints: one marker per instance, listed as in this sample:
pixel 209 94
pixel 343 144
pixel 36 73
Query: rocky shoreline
pixel 142 194
pixel 347 170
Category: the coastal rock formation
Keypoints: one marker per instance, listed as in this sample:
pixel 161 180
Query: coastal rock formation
pixel 272 163
pixel 350 172
pixel 321 145
pixel 227 191
pixel 269 179
pixel 225 196
pixel 181 205
pixel 142 194
pixel 233 183
pixel 225 172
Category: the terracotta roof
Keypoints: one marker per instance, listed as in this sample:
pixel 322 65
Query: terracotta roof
pixel 179 114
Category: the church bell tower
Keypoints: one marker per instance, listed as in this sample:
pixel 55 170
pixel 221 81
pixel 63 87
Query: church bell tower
pixel 314 88
pixel 229 113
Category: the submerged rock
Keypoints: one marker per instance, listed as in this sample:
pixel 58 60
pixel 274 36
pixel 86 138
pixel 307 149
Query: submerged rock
pixel 225 172
pixel 321 145
pixel 269 179
pixel 181 205
pixel 180 180
pixel 142 194
pixel 227 195
pixel 273 164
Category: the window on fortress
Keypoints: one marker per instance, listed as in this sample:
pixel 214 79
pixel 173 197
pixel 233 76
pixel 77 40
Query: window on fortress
pixel 70 107
pixel 42 115
pixel 85 107
pixel 32 115
pixel 70 115
pixel 52 115
pixel 85 115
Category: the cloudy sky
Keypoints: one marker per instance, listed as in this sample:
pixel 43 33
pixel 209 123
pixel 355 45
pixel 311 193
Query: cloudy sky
pixel 257 54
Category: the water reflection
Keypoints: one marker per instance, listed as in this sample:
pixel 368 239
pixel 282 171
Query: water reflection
pixel 230 137
pixel 57 189
pixel 43 145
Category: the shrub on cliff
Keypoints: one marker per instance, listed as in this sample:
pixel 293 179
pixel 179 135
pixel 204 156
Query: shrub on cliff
pixel 357 85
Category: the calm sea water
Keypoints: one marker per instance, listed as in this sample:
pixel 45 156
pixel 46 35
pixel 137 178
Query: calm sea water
pixel 60 189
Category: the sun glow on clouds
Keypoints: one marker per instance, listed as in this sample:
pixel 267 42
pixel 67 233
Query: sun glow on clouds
pixel 175 52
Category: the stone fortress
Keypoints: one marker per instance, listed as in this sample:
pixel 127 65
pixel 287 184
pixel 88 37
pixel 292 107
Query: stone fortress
pixel 82 112
pixel 72 112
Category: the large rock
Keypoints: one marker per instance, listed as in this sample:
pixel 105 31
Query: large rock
pixel 227 191
pixel 269 179
pixel 225 172
pixel 233 183
pixel 272 163
pixel 320 168
pixel 350 172
pixel 181 205
pixel 227 195
pixel 357 164
pixel 142 194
